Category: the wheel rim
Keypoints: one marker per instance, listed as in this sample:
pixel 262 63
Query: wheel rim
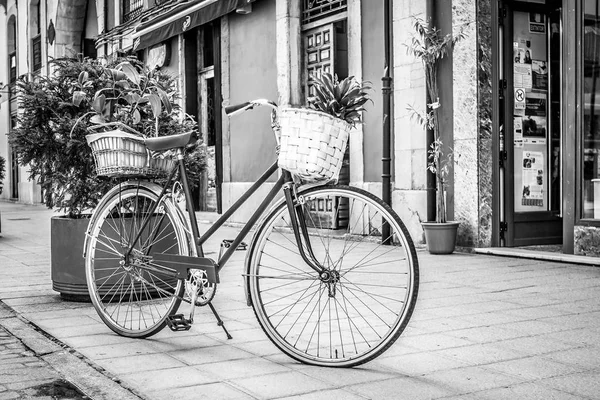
pixel 363 301
pixel 130 298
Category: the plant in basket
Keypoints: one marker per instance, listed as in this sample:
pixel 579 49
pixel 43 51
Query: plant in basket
pixel 134 102
pixel 313 141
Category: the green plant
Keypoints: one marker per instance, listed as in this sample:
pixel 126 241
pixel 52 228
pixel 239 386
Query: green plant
pixel 2 172
pixel 131 93
pixel 430 46
pixel 343 99
pixel 50 135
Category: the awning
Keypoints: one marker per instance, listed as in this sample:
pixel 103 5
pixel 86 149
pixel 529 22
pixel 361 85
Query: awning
pixel 183 17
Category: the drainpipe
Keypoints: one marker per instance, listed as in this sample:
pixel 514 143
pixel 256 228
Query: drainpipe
pixel 431 184
pixel 386 175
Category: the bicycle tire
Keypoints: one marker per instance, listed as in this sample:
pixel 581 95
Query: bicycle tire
pixel 129 298
pixel 362 313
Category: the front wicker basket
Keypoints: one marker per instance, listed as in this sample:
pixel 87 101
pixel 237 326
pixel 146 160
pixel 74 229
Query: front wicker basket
pixel 312 144
pixel 121 154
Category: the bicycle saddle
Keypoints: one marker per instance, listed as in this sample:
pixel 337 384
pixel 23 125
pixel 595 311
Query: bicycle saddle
pixel 168 142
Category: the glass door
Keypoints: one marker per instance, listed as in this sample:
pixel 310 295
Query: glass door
pixel 533 170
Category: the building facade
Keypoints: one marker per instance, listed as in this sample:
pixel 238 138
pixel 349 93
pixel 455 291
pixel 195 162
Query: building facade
pixel 518 97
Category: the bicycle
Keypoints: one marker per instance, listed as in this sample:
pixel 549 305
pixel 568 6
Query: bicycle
pixel 331 271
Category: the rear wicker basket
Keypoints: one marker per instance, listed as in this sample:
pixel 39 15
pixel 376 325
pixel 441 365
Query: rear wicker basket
pixel 118 153
pixel 312 144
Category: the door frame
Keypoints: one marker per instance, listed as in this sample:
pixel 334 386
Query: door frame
pixel 504 216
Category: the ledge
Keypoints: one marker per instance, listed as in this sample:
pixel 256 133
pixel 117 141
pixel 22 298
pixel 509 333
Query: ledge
pixel 538 255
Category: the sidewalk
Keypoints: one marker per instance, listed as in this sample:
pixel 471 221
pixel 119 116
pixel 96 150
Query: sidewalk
pixel 485 327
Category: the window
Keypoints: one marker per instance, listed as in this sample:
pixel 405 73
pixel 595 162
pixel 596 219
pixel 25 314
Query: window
pixel 12 49
pixel 35 31
pixel 591 111
pixel 131 9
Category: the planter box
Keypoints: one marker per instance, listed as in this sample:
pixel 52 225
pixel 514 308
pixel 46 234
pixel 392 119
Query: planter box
pixel 67 262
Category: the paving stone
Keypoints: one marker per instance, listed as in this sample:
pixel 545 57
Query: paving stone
pixel 152 381
pixel 206 355
pixel 337 394
pixel 525 391
pixel 280 384
pixel 145 362
pixel 471 379
pixel 221 391
pixel 244 368
pixel 402 388
pixel 586 384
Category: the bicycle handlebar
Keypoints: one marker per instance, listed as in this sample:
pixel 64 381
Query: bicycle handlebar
pixel 248 105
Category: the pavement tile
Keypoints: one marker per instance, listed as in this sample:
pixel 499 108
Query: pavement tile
pixel 485 334
pixel 471 379
pixel 92 340
pixel 533 368
pixel 525 391
pixel 132 348
pixel 280 384
pixel 532 345
pixel 434 341
pixel 174 342
pixel 361 374
pixel 584 357
pixel 152 381
pixel 585 384
pixel 582 337
pixel 244 368
pixel 402 388
pixel 259 347
pixel 221 391
pixel 479 354
pixel 210 354
pixel 338 394
pixel 144 362
pixel 416 364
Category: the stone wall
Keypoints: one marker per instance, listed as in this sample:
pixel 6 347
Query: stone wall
pixel 587 241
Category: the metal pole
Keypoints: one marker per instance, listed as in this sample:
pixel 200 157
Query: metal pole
pixel 386 175
pixel 429 137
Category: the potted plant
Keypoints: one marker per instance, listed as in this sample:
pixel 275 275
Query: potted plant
pixel 50 138
pixel 430 46
pixel 335 108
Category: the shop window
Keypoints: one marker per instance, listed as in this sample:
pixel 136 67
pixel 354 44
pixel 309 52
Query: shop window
pixel 131 9
pixel 591 118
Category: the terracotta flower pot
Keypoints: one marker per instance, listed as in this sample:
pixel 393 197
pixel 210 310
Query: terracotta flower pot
pixel 440 237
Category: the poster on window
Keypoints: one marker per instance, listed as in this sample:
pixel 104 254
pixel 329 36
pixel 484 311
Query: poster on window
pixel 539 75
pixel 533 179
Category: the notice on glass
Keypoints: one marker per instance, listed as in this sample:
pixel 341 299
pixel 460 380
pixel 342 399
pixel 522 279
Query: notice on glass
pixel 523 76
pixel 533 179
pixel 518 131
pixel 535 120
pixel 537 23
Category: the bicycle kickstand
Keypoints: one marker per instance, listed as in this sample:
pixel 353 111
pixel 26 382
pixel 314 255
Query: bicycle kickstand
pixel 219 320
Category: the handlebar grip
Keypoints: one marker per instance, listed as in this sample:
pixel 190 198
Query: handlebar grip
pixel 236 107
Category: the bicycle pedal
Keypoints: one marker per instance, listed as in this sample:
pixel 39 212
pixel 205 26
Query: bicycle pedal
pixel 227 244
pixel 178 322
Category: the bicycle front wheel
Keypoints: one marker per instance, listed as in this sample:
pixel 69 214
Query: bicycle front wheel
pixel 134 295
pixel 360 306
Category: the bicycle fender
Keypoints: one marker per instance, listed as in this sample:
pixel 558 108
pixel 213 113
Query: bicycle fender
pixel 148 185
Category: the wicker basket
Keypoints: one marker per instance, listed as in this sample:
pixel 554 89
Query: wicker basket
pixel 312 144
pixel 118 153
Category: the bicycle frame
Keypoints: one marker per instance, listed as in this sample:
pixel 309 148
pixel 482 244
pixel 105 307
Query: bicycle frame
pixel 285 181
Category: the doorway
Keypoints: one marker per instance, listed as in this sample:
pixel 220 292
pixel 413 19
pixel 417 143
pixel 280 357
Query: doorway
pixel 209 96
pixel 530 144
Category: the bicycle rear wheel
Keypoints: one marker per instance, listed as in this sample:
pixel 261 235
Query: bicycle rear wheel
pixel 132 295
pixel 362 304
